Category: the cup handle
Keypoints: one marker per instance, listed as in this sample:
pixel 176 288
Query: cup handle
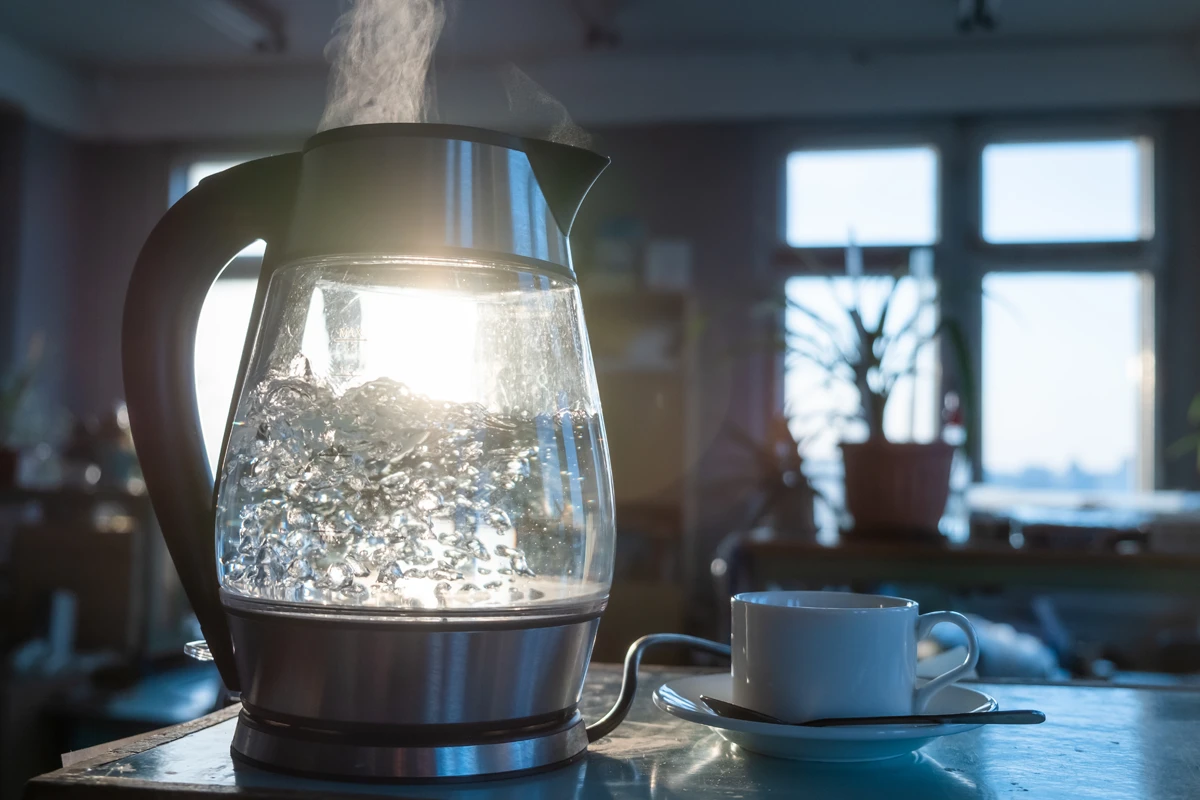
pixel 925 623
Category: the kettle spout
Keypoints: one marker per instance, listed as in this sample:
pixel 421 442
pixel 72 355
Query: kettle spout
pixel 565 174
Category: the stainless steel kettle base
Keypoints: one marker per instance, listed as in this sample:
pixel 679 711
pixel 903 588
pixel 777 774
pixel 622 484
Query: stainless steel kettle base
pixel 332 755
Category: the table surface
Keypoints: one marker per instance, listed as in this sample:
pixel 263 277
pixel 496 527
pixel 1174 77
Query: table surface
pixel 1098 742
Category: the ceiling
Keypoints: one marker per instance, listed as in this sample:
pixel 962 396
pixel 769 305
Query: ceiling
pixel 193 69
pixel 155 33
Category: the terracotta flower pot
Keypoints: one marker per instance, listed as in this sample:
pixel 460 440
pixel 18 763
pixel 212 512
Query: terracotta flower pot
pixel 898 488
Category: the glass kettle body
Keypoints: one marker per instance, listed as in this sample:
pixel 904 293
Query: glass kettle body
pixel 413 514
pixel 417 435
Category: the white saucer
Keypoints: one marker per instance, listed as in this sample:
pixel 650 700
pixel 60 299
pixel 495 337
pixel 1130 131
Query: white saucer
pixel 681 698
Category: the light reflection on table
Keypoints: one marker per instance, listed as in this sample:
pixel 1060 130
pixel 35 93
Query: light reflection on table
pixel 1098 742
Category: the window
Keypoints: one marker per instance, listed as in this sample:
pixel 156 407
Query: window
pixel 1068 356
pixel 880 197
pixel 221 332
pixel 1095 191
pixel 1066 369
pixel 220 337
pixel 867 197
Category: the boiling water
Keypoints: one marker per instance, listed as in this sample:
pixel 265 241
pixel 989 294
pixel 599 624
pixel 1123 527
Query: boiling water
pixel 381 497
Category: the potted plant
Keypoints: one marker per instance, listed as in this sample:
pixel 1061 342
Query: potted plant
pixel 13 389
pixel 784 494
pixel 890 487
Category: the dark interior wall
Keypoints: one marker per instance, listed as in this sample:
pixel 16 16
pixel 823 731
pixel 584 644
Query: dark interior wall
pixel 1178 362
pixel 124 191
pixel 76 216
pixel 700 183
pixel 50 252
pixel 12 132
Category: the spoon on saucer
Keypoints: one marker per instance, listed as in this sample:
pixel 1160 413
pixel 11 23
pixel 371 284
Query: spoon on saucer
pixel 723 708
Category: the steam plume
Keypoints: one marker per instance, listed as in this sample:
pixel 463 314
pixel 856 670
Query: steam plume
pixel 381 52
pixel 539 112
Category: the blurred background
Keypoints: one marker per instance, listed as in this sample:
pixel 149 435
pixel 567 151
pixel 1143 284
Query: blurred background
pixel 898 297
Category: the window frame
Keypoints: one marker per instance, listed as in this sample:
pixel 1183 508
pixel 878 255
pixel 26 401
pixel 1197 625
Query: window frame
pixel 961 256
pixel 1144 257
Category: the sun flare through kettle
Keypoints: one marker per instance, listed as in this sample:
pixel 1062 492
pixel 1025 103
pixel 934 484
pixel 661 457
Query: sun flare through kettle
pixel 404 555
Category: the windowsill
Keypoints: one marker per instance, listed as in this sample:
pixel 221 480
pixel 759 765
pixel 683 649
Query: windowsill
pixel 995 499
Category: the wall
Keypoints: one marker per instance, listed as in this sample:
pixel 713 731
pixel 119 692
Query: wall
pixel 39 234
pixel 1179 357
pixel 73 217
pixel 695 182
pixel 49 235
pixel 699 183
pixel 123 193
pixel 12 131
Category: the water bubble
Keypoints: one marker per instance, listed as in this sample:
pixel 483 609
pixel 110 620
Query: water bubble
pixel 429 501
pixel 336 577
pixel 499 519
pixel 355 568
pixel 329 489
pixel 453 558
pixel 415 530
pixel 326 501
pixel 390 573
pixel 382 556
pixel 304 593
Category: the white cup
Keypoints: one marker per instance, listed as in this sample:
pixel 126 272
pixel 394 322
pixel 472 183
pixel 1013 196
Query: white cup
pixel 801 656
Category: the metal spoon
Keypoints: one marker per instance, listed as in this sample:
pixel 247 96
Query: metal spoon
pixel 1020 717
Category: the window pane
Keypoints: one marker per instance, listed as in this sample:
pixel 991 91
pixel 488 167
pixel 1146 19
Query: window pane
pixel 870 197
pixel 1063 365
pixel 821 403
pixel 1067 191
pixel 220 335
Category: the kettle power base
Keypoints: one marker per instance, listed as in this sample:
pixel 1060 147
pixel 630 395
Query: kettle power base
pixel 336 756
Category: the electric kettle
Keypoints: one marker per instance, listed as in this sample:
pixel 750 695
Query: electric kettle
pixel 403 558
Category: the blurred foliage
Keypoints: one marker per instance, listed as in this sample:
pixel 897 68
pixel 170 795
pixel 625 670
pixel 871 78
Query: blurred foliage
pixel 1191 442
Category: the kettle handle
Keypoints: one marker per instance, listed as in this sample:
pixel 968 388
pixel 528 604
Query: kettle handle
pixel 186 251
